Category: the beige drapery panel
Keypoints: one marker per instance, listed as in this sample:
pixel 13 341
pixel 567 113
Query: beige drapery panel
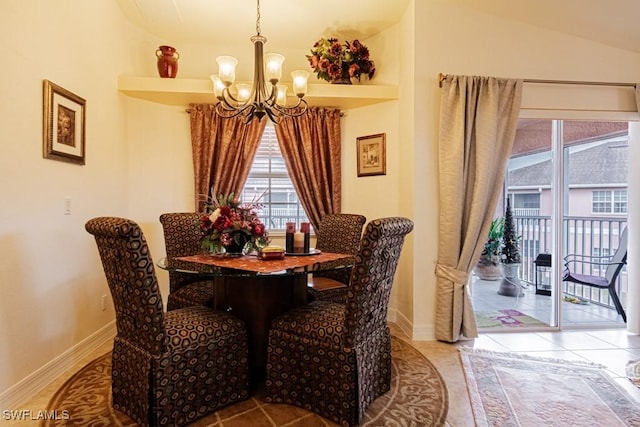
pixel 478 121
pixel 310 145
pixel 223 150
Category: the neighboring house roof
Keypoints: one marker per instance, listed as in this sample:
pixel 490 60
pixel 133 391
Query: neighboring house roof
pixel 599 165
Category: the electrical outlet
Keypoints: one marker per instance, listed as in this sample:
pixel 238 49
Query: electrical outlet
pixel 67 205
pixel 104 302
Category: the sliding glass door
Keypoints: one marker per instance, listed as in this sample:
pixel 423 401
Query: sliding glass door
pixel 567 186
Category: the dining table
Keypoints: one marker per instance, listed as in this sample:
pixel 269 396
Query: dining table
pixel 257 290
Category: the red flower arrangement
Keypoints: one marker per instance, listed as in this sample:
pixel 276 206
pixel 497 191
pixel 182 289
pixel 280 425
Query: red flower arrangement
pixel 333 61
pixel 230 225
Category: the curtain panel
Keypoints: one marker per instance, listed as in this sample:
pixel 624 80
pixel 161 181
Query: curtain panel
pixel 310 145
pixel 478 121
pixel 223 151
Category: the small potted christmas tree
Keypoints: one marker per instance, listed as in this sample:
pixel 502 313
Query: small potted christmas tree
pixel 511 261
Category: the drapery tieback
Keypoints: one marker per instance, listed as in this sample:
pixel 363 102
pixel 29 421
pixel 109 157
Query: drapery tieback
pixel 456 276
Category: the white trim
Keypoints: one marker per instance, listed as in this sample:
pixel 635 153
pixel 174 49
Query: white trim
pixel 32 384
pixel 416 333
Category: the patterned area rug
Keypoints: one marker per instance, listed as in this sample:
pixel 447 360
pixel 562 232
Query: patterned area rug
pixel 505 319
pixel 522 391
pixel 418 397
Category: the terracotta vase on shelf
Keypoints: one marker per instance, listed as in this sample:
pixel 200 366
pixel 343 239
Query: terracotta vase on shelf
pixel 167 61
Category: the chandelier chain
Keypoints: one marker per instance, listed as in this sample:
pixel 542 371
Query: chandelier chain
pixel 258 18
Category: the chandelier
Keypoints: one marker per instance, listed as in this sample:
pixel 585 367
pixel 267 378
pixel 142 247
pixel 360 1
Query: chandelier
pixel 265 96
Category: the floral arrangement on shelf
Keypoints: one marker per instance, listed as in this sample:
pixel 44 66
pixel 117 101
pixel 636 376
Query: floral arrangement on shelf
pixel 232 226
pixel 337 62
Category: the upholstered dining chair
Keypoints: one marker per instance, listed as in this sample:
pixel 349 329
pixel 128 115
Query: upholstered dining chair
pixel 340 233
pixel 335 359
pixel 182 237
pixel 167 368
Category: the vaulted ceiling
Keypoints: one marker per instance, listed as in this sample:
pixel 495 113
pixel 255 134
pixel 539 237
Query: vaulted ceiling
pixel 612 23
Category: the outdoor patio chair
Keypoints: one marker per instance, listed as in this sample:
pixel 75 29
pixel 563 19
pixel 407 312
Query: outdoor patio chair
pixel 613 265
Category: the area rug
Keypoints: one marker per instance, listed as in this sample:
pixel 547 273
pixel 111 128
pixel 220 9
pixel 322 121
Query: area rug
pixel 418 397
pixel 522 391
pixel 505 319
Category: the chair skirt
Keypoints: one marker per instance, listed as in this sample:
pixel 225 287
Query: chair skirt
pixel 337 382
pixel 196 375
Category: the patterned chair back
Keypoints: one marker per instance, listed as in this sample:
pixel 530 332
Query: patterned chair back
pixel 372 277
pixel 132 281
pixel 182 236
pixel 340 233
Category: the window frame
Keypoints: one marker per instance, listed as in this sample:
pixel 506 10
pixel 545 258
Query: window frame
pixel 272 173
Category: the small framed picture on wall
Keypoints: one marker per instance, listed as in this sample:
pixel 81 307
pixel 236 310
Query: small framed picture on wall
pixel 63 124
pixel 371 155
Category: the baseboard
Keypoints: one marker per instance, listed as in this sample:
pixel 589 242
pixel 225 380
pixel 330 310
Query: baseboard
pixel 415 332
pixel 39 379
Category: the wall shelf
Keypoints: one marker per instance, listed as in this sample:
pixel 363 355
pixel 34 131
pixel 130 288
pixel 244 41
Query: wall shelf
pixel 182 92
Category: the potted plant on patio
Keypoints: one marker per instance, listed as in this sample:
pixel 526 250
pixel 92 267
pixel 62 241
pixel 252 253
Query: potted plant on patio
pixel 510 284
pixel 488 266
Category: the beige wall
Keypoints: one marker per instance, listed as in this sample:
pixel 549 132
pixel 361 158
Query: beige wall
pixel 138 153
pixel 50 276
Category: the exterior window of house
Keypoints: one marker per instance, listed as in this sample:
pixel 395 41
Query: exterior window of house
pixel 620 201
pixel 609 201
pixel 526 204
pixel 270 185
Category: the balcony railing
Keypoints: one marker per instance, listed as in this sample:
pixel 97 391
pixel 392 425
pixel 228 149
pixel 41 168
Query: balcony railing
pixel 582 235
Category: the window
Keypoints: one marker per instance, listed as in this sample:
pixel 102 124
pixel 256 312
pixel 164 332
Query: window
pixel 270 185
pixel 609 201
pixel 526 204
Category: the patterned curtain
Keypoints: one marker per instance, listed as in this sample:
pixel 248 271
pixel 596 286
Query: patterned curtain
pixel 478 121
pixel 223 150
pixel 310 145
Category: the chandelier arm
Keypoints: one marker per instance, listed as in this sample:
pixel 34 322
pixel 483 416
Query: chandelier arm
pixel 294 111
pixel 226 95
pixel 231 112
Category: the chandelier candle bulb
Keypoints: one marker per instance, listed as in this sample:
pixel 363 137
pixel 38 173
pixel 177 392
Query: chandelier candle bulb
pixel 218 86
pixel 282 95
pixel 273 67
pixel 227 69
pixel 244 90
pixel 300 78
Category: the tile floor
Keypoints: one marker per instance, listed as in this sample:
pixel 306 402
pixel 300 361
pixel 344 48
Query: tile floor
pixel 574 316
pixel 610 347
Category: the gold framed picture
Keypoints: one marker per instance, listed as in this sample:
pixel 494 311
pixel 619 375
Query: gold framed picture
pixel 63 124
pixel 371 155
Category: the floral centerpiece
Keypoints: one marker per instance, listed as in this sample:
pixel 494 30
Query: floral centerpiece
pixel 338 62
pixel 232 226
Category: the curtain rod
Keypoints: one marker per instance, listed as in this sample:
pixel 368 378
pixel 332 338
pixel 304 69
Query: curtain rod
pixel 442 76
pixel 189 110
